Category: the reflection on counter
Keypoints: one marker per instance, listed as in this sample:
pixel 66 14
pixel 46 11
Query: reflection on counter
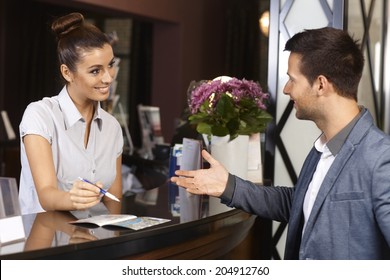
pixel 49 235
pixel 53 228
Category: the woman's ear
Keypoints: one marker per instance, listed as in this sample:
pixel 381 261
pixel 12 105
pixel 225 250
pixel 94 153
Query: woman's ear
pixel 66 73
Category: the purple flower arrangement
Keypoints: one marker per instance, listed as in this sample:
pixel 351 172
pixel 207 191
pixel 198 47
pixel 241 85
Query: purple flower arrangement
pixel 228 106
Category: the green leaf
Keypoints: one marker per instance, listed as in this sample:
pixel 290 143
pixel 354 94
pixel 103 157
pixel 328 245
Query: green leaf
pixel 219 131
pixel 204 128
pixel 225 107
pixel 233 125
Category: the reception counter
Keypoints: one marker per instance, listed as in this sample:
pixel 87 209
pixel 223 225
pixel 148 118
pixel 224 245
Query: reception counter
pixel 49 235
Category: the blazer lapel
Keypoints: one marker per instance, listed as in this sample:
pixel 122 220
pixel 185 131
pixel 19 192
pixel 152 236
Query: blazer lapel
pixel 328 183
pixel 295 225
pixel 304 181
pixel 340 161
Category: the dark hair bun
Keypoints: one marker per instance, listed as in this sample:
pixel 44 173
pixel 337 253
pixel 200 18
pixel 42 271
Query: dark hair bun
pixel 65 24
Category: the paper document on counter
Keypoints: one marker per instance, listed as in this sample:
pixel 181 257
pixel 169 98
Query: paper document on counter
pixel 115 221
pixel 191 159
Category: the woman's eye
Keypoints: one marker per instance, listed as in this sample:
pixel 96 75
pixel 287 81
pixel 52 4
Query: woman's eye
pixel 111 64
pixel 95 71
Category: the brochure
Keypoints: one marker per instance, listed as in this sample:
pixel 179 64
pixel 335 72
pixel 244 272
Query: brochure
pixel 118 221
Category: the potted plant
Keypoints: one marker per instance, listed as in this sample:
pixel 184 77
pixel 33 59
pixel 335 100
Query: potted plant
pixel 228 106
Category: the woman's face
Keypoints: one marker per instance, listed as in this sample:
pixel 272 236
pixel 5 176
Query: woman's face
pixel 94 74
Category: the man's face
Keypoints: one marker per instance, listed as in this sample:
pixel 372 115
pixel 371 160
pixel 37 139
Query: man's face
pixel 300 91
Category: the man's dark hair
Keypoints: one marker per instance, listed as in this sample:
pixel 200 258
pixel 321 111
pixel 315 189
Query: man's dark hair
pixel 332 53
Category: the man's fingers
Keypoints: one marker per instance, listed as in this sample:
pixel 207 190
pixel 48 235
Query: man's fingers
pixel 184 173
pixel 206 155
pixel 180 181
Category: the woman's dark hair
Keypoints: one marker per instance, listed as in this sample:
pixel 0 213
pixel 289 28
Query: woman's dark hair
pixel 75 36
pixel 330 52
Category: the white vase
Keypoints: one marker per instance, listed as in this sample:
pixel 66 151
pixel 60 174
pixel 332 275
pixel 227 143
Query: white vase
pixel 233 156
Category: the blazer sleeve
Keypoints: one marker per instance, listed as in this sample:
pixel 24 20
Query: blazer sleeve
pixel 381 193
pixel 265 201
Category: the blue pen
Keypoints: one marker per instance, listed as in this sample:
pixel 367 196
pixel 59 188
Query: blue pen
pixel 102 191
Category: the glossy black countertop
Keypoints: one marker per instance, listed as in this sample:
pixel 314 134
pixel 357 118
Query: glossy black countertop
pixel 49 235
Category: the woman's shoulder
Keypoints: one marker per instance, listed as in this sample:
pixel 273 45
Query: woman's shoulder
pixel 109 118
pixel 46 103
pixel 38 118
pixel 40 111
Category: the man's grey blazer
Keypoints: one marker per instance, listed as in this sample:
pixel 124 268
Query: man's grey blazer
pixel 351 214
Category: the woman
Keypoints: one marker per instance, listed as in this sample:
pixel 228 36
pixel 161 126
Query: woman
pixel 69 135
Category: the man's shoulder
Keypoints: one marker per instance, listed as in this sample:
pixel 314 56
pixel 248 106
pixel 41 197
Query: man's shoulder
pixel 366 129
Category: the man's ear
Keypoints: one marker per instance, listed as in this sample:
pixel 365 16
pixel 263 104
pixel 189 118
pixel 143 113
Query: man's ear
pixel 323 85
pixel 66 73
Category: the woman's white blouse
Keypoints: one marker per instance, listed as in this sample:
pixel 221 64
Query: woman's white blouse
pixel 58 121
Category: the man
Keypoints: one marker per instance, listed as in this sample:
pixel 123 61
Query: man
pixel 340 206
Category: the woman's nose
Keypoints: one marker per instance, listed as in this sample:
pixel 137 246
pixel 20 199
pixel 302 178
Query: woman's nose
pixel 107 77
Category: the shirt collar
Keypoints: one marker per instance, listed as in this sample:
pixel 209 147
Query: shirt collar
pixel 70 111
pixel 338 140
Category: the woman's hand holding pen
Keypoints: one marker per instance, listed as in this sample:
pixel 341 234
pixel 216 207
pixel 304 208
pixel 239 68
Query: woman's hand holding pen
pixel 84 195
